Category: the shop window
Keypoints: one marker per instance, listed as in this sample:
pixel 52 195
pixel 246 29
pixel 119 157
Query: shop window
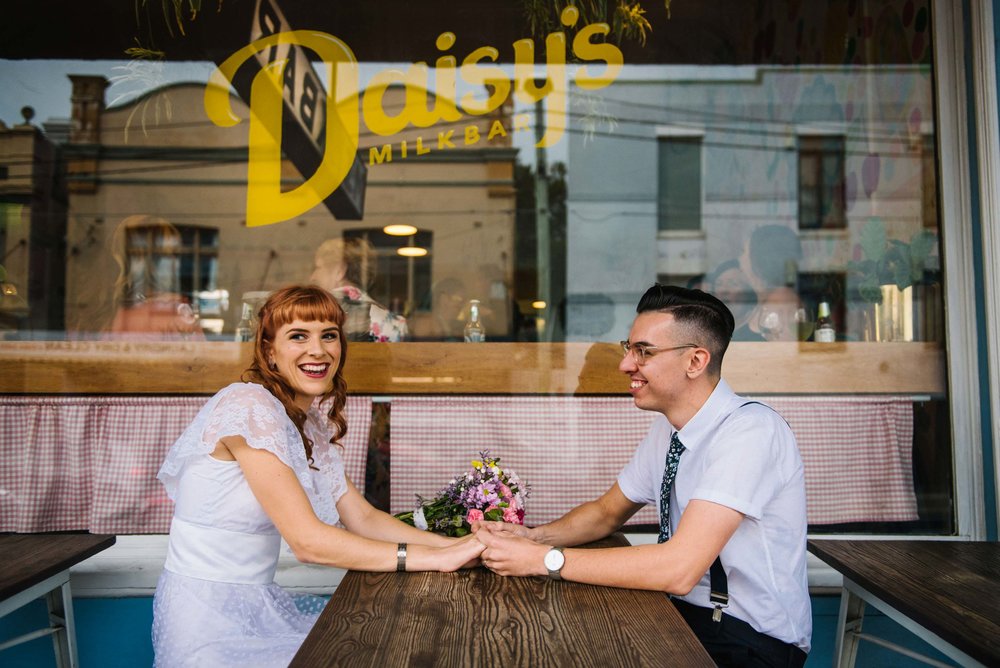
pixel 679 188
pixel 757 120
pixel 821 182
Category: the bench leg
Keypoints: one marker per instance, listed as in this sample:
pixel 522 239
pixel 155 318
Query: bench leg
pixel 60 604
pixel 852 614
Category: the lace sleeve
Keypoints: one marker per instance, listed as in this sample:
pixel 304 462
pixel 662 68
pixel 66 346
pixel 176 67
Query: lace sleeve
pixel 241 409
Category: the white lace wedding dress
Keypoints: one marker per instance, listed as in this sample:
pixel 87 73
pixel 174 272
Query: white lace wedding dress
pixel 216 603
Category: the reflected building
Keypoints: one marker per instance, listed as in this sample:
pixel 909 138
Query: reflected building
pixel 697 158
pixel 32 229
pixel 160 158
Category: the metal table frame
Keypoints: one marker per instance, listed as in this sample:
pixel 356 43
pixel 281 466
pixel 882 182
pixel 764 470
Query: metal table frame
pixel 59 600
pixel 849 631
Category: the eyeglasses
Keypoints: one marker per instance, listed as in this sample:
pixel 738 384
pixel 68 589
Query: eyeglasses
pixel 642 352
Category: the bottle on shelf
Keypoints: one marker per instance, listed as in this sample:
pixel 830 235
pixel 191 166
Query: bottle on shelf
pixel 244 329
pixel 474 330
pixel 824 333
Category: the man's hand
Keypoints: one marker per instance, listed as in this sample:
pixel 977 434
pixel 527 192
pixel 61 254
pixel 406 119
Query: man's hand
pixel 509 554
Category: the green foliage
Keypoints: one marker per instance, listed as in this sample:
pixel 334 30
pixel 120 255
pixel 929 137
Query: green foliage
pixel 627 19
pixel 889 261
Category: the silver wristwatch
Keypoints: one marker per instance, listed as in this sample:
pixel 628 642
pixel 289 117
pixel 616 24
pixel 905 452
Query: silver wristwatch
pixel 554 561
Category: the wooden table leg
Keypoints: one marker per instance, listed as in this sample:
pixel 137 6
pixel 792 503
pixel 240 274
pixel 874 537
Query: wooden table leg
pixel 852 614
pixel 60 604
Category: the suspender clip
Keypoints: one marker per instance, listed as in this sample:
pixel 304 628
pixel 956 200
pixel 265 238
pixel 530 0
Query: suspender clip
pixel 721 600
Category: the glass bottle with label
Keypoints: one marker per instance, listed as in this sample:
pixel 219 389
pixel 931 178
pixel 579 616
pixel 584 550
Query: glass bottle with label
pixel 244 329
pixel 474 330
pixel 825 333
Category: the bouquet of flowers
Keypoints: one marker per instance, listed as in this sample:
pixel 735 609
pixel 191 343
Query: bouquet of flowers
pixel 486 492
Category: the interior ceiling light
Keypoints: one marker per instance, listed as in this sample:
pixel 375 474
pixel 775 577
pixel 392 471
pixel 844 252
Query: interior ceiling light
pixel 412 251
pixel 538 304
pixel 399 230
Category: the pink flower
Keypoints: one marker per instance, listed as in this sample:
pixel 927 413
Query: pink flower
pixel 475 515
pixel 510 515
pixel 504 491
pixel 520 516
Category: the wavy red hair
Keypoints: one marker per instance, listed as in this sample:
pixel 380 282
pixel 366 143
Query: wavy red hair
pixel 308 303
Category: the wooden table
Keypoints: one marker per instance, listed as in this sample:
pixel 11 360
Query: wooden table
pixel 477 618
pixel 36 565
pixel 947 592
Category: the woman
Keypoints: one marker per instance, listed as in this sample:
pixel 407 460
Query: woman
pixel 260 463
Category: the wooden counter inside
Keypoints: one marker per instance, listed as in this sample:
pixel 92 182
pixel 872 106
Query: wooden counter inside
pixel 117 367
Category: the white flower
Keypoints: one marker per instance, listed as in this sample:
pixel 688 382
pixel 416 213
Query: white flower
pixel 419 520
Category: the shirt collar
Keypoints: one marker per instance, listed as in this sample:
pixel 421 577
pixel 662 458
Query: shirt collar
pixel 721 402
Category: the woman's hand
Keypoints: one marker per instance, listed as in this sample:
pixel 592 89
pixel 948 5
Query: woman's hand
pixel 460 553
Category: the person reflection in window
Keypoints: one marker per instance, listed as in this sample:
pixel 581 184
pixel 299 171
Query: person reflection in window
pixel 148 302
pixel 345 268
pixel 770 260
pixel 733 287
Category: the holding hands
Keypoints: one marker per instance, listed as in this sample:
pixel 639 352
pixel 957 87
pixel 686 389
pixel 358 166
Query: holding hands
pixel 510 549
pixel 462 553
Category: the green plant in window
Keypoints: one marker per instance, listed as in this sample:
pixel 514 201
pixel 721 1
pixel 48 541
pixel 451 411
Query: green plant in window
pixel 627 19
pixel 630 21
pixel 886 261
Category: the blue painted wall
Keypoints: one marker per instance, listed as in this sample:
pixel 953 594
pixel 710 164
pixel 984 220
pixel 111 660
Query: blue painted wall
pixel 111 633
pixel 114 633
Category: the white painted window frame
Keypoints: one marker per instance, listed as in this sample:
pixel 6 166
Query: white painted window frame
pixel 984 88
pixel 955 182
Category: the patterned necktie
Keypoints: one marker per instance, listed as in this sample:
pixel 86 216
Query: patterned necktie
pixel 669 473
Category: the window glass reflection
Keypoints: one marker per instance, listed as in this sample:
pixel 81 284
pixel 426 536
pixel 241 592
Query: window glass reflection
pixel 665 174
pixel 780 155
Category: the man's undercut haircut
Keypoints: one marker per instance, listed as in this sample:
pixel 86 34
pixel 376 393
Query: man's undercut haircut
pixel 704 313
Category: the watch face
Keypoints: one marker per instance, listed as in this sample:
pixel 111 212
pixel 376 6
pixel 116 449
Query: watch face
pixel 554 560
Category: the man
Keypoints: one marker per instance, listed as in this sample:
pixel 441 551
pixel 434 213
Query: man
pixel 733 488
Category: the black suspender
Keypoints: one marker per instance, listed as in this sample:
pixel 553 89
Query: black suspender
pixel 719 588
pixel 719 595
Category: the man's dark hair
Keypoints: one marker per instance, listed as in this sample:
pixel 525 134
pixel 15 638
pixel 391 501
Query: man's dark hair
pixel 704 312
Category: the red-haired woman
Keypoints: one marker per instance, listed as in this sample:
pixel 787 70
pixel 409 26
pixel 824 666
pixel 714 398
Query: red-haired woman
pixel 260 463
